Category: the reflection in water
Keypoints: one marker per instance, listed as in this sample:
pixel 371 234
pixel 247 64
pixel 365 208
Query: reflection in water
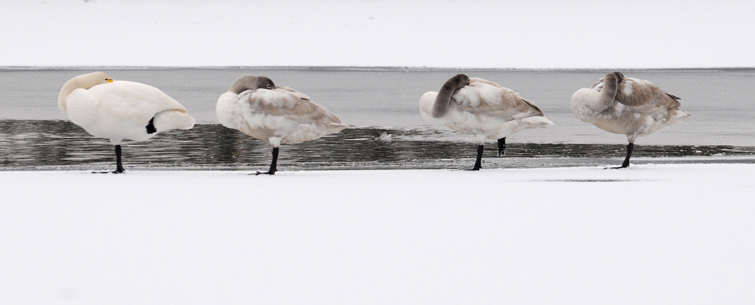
pixel 54 144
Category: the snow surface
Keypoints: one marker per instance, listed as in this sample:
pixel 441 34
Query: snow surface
pixel 483 34
pixel 650 234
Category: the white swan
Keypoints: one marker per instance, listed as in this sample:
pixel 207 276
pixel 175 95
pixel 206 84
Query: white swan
pixel 481 108
pixel 119 110
pixel 628 106
pixel 278 114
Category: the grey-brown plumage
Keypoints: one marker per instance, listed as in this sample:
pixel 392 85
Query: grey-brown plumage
pixel 257 107
pixel 481 108
pixel 505 103
pixel 628 106
pixel 643 95
pixel 446 92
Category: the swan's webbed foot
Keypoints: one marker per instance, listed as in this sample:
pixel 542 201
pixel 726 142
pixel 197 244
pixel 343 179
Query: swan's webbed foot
pixel 117 171
pixel 264 173
pixel 617 167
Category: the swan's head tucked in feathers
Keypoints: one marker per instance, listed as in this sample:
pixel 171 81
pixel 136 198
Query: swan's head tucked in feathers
pixel 459 81
pixel 84 81
pixel 251 82
pixel 618 75
pixel 448 89
pixel 613 79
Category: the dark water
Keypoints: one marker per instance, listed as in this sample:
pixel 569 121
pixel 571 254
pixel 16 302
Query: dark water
pixel 57 144
pixel 34 135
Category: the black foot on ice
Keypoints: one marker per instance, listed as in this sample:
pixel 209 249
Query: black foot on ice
pixel 121 171
pixel 273 165
pixel 478 161
pixel 616 167
pixel 118 164
pixel 630 148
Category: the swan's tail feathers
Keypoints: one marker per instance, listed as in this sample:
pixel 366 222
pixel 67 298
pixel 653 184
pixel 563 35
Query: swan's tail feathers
pixel 173 119
pixel 678 115
pixel 537 121
pixel 336 127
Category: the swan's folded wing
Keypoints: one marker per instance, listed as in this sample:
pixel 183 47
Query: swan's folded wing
pixel 643 96
pixel 490 99
pixel 138 95
pixel 286 102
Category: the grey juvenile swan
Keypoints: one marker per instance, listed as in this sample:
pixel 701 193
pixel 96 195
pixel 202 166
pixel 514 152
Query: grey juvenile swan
pixel 628 106
pixel 257 107
pixel 480 108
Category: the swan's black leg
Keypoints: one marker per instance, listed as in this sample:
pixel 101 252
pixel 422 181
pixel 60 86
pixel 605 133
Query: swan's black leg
pixel 501 146
pixel 151 126
pixel 273 166
pixel 478 163
pixel 630 147
pixel 119 166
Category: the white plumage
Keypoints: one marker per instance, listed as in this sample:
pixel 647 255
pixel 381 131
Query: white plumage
pixel 119 110
pixel 277 114
pixel 480 108
pixel 628 106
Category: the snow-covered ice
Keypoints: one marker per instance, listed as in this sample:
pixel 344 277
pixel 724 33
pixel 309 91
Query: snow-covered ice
pixel 650 234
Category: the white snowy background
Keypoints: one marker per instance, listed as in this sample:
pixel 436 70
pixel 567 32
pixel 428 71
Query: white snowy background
pixel 665 234
pixel 651 234
pixel 482 34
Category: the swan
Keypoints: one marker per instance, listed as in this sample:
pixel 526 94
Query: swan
pixel 628 106
pixel 481 108
pixel 118 110
pixel 257 107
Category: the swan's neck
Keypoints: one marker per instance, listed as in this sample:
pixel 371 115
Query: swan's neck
pixel 243 83
pixel 592 101
pixel 68 87
pixel 237 88
pixel 610 90
pixel 443 100
pixel 587 103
